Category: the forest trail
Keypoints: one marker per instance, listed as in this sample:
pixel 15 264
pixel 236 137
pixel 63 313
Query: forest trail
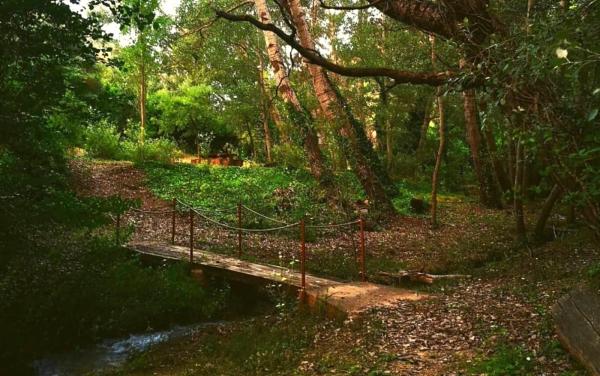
pixel 123 179
pixel 505 302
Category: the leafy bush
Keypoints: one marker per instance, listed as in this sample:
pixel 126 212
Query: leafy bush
pixel 102 141
pixel 55 299
pixel 283 193
pixel 406 192
pixel 158 150
pixel 405 166
pixel 289 156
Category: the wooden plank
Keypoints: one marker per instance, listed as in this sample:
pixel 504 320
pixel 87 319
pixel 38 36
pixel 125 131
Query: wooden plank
pixel 213 260
pixel 336 297
pixel 577 318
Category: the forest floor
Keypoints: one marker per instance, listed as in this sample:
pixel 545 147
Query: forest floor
pixel 497 322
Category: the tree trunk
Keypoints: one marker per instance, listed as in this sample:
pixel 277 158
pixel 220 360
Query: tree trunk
pixel 389 147
pixel 142 98
pixel 359 150
pixel 265 109
pixel 489 194
pixel 381 117
pixel 425 126
pixel 499 170
pixel 298 113
pixel 252 144
pixel 544 214
pixel 438 159
pixel 268 142
pixel 442 144
pixel 521 230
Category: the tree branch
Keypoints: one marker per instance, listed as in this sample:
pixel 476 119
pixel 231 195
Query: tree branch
pixel 354 7
pixel 313 57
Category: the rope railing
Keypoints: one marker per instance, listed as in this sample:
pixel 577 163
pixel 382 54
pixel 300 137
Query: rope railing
pixel 225 225
pixel 262 215
pixel 166 211
pixel 239 229
pixel 334 225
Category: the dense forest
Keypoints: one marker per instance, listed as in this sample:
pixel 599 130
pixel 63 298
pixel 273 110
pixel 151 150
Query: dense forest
pixel 462 135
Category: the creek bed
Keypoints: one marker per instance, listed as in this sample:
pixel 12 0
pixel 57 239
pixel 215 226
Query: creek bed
pixel 110 353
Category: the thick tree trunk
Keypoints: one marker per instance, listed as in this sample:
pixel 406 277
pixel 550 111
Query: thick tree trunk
pixel 544 214
pixel 299 114
pixel 488 190
pixel 358 148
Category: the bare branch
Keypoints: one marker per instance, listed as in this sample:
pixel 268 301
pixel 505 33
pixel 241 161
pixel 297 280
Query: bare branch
pixel 208 24
pixel 355 7
pixel 314 57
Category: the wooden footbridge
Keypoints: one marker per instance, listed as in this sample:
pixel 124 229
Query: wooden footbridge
pixel 336 296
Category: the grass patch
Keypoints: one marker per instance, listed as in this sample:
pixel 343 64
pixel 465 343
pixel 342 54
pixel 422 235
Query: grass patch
pixel 282 193
pixel 506 360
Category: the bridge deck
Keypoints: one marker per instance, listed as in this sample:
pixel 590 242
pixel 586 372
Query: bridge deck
pixel 344 297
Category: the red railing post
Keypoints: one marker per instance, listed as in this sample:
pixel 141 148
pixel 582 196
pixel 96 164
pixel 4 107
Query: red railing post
pixel 191 235
pixel 239 235
pixel 363 272
pixel 303 254
pixel 118 230
pixel 173 221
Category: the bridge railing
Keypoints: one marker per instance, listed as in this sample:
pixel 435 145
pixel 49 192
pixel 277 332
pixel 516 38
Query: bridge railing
pixel 180 210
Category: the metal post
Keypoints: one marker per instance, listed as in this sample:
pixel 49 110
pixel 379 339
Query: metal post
pixel 239 217
pixel 303 255
pixel 173 221
pixel 118 230
pixel 191 236
pixel 363 272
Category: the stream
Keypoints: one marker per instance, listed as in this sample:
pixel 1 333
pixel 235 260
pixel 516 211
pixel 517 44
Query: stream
pixel 110 353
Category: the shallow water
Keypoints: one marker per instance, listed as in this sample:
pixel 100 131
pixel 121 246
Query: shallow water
pixel 108 354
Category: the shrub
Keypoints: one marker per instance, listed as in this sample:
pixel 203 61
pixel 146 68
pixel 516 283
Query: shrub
pixel 55 299
pixel 158 150
pixel 289 156
pixel 102 141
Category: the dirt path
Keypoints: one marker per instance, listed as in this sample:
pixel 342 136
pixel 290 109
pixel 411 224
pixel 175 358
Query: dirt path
pixel 508 303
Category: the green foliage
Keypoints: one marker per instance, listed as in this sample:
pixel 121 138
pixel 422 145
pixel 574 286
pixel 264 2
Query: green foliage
pixel 593 274
pixel 186 113
pixel 272 191
pixel 406 192
pixel 505 361
pixel 155 149
pixel 289 155
pixel 103 141
pixel 88 291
